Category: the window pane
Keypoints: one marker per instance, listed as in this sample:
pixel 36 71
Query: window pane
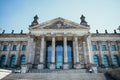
pixel 14 47
pixel 105 59
pixel 104 48
pixel 22 60
pixel 5 48
pixel 23 47
pixel 113 48
pixel 12 61
pixel 115 60
pixel 2 62
pixel 94 47
pixel 96 60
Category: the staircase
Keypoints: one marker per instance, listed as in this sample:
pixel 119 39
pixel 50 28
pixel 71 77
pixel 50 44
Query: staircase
pixel 56 75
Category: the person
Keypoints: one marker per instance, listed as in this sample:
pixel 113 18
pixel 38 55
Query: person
pixel 90 70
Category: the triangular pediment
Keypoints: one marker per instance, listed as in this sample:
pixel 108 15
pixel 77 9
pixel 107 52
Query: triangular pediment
pixel 59 23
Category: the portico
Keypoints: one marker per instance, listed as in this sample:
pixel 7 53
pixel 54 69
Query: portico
pixel 58 52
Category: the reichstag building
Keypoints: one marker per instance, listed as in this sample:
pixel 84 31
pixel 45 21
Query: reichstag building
pixel 59 44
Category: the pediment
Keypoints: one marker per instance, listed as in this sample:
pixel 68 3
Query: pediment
pixel 59 23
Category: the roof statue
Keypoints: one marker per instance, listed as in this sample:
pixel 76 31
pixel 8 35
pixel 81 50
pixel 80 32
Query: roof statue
pixel 35 22
pixel 83 22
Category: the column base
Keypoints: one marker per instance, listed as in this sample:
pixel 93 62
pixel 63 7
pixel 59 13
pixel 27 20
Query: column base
pixel 40 66
pixel 77 66
pixel 65 66
pixel 24 68
pixel 29 65
pixel 52 66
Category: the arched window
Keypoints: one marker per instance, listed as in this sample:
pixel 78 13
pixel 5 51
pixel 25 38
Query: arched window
pixel 115 60
pixel 106 61
pixel 2 62
pixel 96 60
pixel 22 59
pixel 12 61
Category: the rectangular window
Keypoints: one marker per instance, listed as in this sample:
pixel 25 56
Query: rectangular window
pixel 104 48
pixel 94 47
pixel 5 48
pixel 14 47
pixel 23 47
pixel 113 47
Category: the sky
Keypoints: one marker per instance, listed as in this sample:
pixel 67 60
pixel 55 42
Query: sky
pixel 100 14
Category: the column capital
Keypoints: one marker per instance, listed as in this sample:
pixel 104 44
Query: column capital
pixel 75 35
pixel 108 41
pixel 53 35
pixel 99 41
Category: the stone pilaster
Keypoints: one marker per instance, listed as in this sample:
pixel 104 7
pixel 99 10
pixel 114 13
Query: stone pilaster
pixel 65 66
pixel 18 53
pixel 30 51
pixel 41 64
pixel 110 54
pixel 89 45
pixel 52 65
pixel 100 52
pixel 7 62
pixel 77 53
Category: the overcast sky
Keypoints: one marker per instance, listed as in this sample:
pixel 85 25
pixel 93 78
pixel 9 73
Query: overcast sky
pixel 100 14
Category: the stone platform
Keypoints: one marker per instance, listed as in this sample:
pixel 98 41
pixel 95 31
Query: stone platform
pixel 57 75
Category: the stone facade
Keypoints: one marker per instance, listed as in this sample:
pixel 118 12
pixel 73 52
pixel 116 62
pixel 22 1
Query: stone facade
pixel 33 45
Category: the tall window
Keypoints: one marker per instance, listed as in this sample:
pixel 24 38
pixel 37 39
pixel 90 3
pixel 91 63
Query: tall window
pixel 115 60
pixel 59 56
pixel 2 62
pixel 23 47
pixel 69 54
pixel 22 59
pixel 104 48
pixel 113 47
pixel 49 55
pixel 14 47
pixel 94 47
pixel 12 61
pixel 5 47
pixel 96 60
pixel 106 61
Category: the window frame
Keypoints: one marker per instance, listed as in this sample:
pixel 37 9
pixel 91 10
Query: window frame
pixel 94 47
pixel 14 48
pixel 23 47
pixel 5 47
pixel 104 47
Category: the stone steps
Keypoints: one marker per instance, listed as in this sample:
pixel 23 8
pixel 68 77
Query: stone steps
pixel 57 75
pixel 57 70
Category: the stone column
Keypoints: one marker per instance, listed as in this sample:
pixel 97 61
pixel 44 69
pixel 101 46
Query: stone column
pixel 85 53
pixel 77 53
pixel 52 65
pixel 110 54
pixel 41 64
pixel 100 52
pixel 65 66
